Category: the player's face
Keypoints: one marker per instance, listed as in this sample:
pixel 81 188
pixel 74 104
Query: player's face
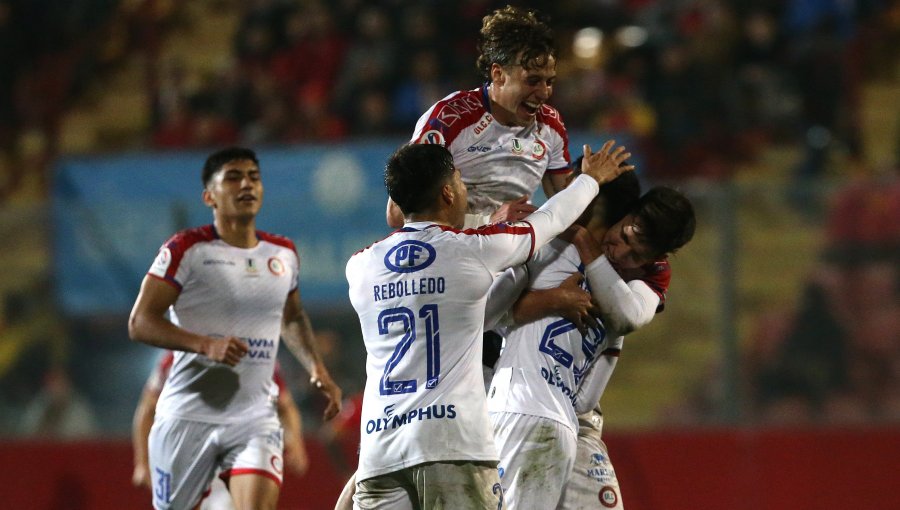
pixel 236 190
pixel 624 245
pixel 518 93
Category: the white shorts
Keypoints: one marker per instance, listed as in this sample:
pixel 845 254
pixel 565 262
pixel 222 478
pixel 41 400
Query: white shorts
pixel 536 457
pixel 593 482
pixel 439 485
pixel 185 455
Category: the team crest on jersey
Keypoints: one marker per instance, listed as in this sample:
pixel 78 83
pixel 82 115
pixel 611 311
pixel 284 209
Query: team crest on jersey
pixel 163 259
pixel 608 497
pixel 516 146
pixel 538 150
pixel 432 136
pixel 276 266
pixel 409 257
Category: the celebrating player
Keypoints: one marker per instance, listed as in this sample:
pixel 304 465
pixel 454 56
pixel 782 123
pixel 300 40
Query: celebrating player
pixel 425 430
pixel 231 292
pixel 504 137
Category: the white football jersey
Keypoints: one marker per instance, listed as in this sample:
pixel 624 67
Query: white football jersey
pixel 420 296
pixel 225 291
pixel 497 163
pixel 544 362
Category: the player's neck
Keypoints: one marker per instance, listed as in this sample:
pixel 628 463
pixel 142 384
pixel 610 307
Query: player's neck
pixel 237 232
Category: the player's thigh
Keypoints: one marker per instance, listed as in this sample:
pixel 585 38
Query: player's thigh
pixel 253 464
pixel 536 458
pixel 593 482
pixel 182 456
pixel 386 492
pixel 453 485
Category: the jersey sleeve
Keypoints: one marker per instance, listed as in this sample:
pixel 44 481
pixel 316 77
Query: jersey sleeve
pixel 171 263
pixel 560 160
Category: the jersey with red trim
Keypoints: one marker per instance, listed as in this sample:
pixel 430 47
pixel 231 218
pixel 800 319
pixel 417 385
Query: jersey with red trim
pixel 656 275
pixel 544 362
pixel 498 163
pixel 420 296
pixel 225 291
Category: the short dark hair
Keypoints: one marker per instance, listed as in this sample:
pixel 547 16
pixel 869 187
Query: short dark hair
pixel 616 198
pixel 666 218
pixel 217 160
pixel 511 31
pixel 415 174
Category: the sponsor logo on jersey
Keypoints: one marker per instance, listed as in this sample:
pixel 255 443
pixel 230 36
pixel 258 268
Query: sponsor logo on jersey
pixel 432 136
pixel 597 458
pixel 601 474
pixel 432 412
pixel 163 259
pixel 538 150
pixel 276 266
pixel 608 497
pixel 479 148
pixel 516 146
pixel 218 262
pixel 261 348
pixel 409 256
pixel 483 123
pixel 251 268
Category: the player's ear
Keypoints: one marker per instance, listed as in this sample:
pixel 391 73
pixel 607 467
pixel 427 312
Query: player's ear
pixel 497 74
pixel 208 199
pixel 447 194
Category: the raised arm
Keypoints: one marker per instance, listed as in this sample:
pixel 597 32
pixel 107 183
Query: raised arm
pixel 623 306
pixel 297 334
pixel 148 324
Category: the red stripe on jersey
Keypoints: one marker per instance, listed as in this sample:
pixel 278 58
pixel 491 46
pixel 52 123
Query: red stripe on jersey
pixel 613 352
pixel 451 115
pixel 276 239
pixel 179 244
pixel 550 116
pixel 496 228
pixel 656 275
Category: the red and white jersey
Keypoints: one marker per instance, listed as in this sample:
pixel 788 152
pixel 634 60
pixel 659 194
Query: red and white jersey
pixel 225 291
pixel 420 296
pixel 548 368
pixel 160 373
pixel 498 163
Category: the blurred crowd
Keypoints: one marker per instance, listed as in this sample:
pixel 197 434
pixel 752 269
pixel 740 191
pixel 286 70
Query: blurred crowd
pixel 696 86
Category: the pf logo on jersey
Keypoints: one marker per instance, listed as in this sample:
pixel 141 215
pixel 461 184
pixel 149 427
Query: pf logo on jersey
pixel 409 257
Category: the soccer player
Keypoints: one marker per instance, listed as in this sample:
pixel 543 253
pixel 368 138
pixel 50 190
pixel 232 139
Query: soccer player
pixel 545 374
pixel 504 137
pixel 231 292
pixel 631 258
pixel 425 430
pixel 295 456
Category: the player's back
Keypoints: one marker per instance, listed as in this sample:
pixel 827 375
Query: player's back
pixel 420 296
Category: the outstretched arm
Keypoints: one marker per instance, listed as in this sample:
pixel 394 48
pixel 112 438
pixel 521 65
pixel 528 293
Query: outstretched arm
pixel 297 334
